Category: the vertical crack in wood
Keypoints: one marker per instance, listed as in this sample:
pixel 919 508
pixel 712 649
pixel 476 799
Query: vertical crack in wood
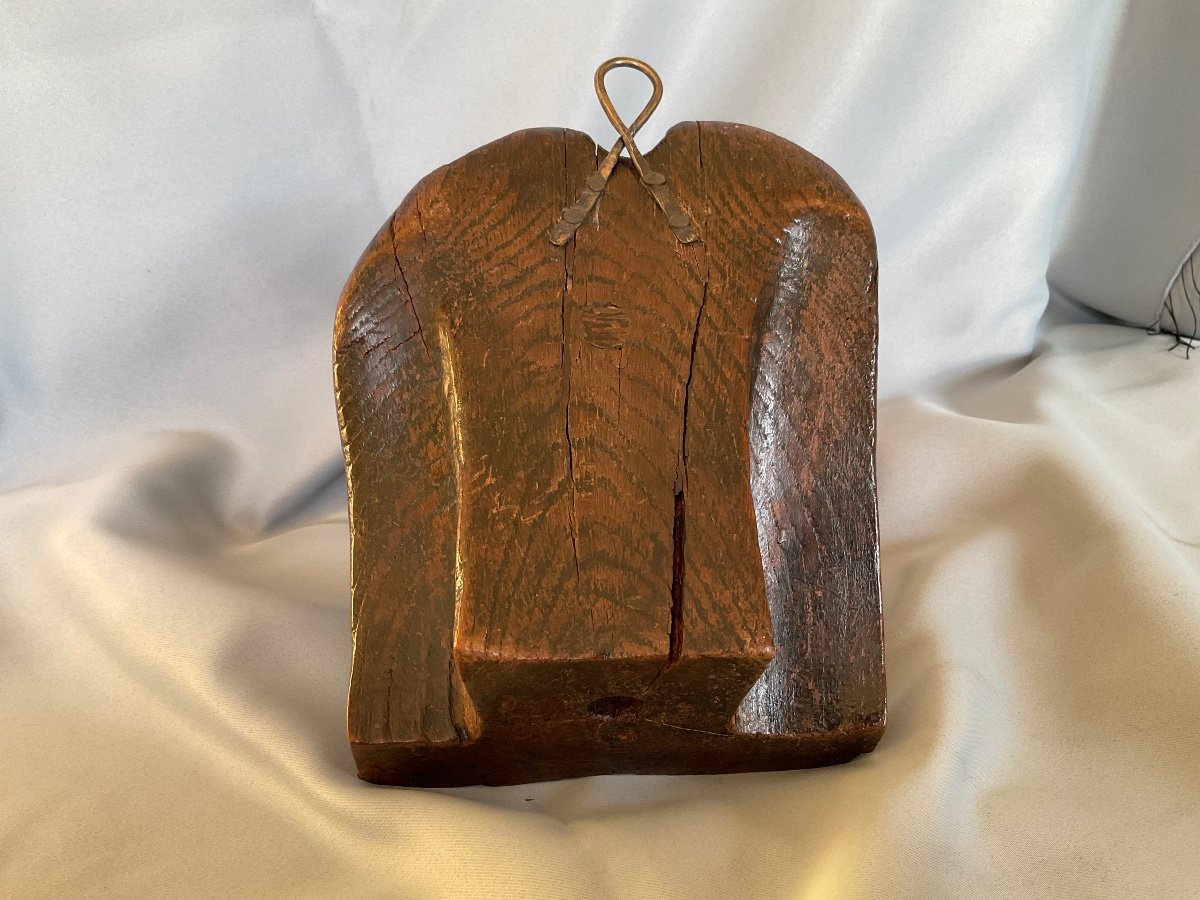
pixel 406 296
pixel 678 533
pixel 681 476
pixel 458 714
pixel 387 708
pixel 679 530
pixel 404 283
pixel 679 526
pixel 566 372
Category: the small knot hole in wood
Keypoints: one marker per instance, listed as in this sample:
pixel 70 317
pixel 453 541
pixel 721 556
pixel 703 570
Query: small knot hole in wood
pixel 611 707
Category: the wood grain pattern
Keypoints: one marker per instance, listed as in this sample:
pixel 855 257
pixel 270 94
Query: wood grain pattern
pixel 612 504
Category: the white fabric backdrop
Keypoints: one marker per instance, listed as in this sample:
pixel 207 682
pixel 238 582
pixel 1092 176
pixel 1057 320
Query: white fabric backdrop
pixel 1132 220
pixel 183 189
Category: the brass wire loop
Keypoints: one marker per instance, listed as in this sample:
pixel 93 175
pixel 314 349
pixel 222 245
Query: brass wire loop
pixel 655 182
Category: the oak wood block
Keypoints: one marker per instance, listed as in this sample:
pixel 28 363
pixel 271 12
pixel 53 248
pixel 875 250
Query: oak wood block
pixel 613 503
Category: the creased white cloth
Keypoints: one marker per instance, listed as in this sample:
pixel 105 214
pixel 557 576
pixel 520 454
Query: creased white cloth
pixel 183 189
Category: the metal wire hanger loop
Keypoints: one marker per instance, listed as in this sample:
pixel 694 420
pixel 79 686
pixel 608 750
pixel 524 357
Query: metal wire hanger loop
pixel 655 182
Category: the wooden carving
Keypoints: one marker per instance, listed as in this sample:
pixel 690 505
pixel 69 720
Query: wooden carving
pixel 613 502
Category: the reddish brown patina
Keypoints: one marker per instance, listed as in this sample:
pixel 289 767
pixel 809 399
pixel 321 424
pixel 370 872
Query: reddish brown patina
pixel 613 502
